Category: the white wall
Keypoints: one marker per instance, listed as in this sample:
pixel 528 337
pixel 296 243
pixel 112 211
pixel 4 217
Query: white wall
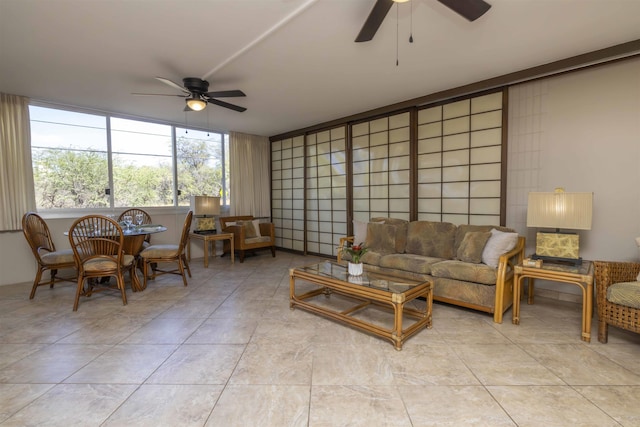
pixel 580 131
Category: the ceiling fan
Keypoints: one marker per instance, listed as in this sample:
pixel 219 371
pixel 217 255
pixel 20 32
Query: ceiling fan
pixel 195 92
pixel 470 9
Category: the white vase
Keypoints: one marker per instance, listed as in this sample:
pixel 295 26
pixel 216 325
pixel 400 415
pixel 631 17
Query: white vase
pixel 355 269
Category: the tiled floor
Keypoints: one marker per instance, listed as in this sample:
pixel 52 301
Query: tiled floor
pixel 228 351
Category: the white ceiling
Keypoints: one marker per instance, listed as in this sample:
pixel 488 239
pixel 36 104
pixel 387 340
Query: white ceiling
pixel 295 59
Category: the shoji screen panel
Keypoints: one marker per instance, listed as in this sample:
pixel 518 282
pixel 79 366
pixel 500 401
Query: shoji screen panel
pixel 381 167
pixel 460 161
pixel 287 192
pixel 326 190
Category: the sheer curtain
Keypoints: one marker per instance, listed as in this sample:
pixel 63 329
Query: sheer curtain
pixel 16 173
pixel 249 164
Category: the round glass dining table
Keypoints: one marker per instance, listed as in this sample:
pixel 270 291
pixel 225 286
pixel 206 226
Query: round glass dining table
pixel 134 237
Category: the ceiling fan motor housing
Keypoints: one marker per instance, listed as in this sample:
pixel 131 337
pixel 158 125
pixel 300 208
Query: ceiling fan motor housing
pixel 196 85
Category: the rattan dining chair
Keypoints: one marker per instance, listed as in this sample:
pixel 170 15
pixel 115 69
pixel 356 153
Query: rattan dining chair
pixel 158 254
pixel 97 243
pixel 36 231
pixel 146 219
pixel 620 307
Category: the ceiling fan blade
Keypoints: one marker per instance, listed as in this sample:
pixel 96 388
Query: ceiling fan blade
pixel 470 9
pixel 225 94
pixel 373 22
pixel 155 94
pixel 226 105
pixel 173 84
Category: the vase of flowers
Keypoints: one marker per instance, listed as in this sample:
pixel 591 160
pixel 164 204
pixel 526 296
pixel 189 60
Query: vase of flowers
pixel 356 252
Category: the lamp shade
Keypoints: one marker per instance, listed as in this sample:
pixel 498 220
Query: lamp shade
pixel 205 205
pixel 560 209
pixel 196 104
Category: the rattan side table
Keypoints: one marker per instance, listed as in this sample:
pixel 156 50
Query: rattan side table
pixel 581 276
pixel 207 239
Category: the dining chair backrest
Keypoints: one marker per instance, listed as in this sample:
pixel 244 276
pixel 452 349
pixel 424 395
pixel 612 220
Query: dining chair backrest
pixel 186 228
pixel 94 237
pixel 146 218
pixel 36 231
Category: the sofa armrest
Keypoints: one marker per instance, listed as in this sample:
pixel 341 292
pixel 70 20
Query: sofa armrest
pixel 268 229
pixel 504 280
pixel 343 244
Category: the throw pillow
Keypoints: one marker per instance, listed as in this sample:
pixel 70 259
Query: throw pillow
pixel 498 244
pixel 381 238
pixel 249 229
pixel 472 246
pixel 256 225
pixel 359 232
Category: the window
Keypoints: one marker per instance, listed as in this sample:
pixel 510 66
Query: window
pixel 86 160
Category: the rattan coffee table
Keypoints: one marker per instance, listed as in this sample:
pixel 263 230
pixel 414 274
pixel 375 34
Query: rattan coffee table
pixel 358 293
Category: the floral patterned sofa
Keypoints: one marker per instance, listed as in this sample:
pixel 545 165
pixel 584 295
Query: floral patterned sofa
pixel 470 265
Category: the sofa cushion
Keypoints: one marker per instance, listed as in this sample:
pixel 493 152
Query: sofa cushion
pixel 381 238
pixel 463 229
pixel 371 257
pixel 499 243
pixel 249 229
pixel 360 231
pixel 401 230
pixel 470 250
pixel 465 271
pixel 624 293
pixel 409 262
pixel 433 239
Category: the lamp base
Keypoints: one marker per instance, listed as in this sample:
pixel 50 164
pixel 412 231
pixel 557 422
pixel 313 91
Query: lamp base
pixel 557 260
pixel 214 231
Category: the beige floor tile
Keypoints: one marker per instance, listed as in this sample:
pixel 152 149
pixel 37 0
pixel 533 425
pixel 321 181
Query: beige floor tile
pixel 166 405
pixel 444 367
pixel 163 330
pixel 123 364
pixel 201 308
pixel 10 353
pixel 267 363
pixel 357 405
pixel 52 364
pixel 349 364
pixel 453 406
pixel 14 397
pixel 198 364
pixel 504 364
pixel 110 329
pixel 67 405
pixel 550 406
pixel 261 405
pixel 620 402
pixel 578 364
pixel 224 331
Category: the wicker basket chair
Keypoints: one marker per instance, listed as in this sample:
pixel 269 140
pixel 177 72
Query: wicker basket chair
pixel 608 273
pixel 97 244
pixel 37 233
pixel 156 254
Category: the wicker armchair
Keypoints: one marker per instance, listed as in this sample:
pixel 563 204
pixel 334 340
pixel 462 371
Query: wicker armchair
pixel 609 273
pixel 244 242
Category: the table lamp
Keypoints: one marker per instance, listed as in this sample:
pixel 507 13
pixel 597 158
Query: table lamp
pixel 205 209
pixel 559 210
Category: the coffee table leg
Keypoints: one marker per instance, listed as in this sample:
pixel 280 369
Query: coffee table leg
pixel 397 333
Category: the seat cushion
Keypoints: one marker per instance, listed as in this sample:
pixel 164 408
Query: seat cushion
pixel 97 265
pixel 624 293
pixel 465 271
pixel 409 262
pixel 160 251
pixel 63 256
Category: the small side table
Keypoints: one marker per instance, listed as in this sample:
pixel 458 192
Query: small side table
pixel 207 239
pixel 581 276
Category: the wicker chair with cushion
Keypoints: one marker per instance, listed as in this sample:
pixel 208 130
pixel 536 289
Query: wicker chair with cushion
pixel 248 234
pixel 37 233
pixel 156 254
pixel 617 296
pixel 97 244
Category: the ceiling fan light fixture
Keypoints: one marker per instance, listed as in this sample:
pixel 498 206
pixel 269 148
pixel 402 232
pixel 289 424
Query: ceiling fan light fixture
pixel 400 1
pixel 196 103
